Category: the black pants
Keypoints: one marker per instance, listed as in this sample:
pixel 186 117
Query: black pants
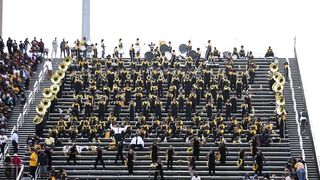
pixel 3 145
pixel 119 155
pixel 15 146
pixel 157 173
pixel 97 160
pixel 130 167
pixel 72 156
pixel 212 168
pixel 169 163
pixel 33 170
pixel 259 169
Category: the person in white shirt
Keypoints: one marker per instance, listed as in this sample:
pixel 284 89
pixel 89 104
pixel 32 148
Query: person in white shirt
pixel 3 142
pixel 48 64
pixel 137 141
pixel 195 176
pixel 118 131
pixel 15 141
pixel 54 48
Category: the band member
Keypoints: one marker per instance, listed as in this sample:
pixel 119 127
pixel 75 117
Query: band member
pixel 269 52
pixel 119 153
pixel 211 162
pixel 196 147
pixel 216 53
pixel 191 165
pixel 244 80
pixel 252 75
pixel 242 53
pixel 259 159
pixel 99 153
pixel 209 50
pixel 170 154
pixel 223 152
pixel 159 170
pixel 154 152
pixel 235 52
pixel 189 47
pixel 233 101
pixel 73 152
pixel 240 162
pixel 286 70
pixel 132 52
pixel 130 157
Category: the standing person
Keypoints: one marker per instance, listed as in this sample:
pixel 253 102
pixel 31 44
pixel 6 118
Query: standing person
pixel 120 45
pixel 49 153
pixel 3 141
pixel 118 131
pixel 170 153
pixel 241 156
pixel 33 163
pixel 195 177
pixel 119 153
pixel 154 152
pixel 211 162
pixel 132 52
pixel 62 48
pixel 54 48
pixel 130 157
pixel 209 50
pixel 43 163
pixel 8 166
pixel 299 166
pixel 15 140
pixel 159 170
pixel 286 70
pixel 48 64
pixel 99 157
pixel 196 147
pixel 73 151
pixel 223 152
pixel 103 47
pixel 191 165
pixel 16 162
pixel 26 45
pixel 259 158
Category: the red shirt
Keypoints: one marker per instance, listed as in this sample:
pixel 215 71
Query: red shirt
pixel 16 161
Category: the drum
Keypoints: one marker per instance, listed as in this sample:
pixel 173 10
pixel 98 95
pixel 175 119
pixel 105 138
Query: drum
pixel 168 55
pixel 164 48
pixel 183 48
pixel 193 54
pixel 149 56
pixel 82 48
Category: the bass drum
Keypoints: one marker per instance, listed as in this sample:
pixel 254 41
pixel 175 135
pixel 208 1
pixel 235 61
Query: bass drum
pixel 183 48
pixel 149 56
pixel 193 54
pixel 164 48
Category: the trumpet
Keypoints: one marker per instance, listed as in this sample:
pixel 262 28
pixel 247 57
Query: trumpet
pixel 37 119
pixel 46 102
pixel 47 93
pixel 55 79
pixel 41 109
pixel 55 88
pixel 274 67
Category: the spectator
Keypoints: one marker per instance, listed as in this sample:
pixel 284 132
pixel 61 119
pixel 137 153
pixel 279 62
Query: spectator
pixel 63 48
pixel 54 48
pixel 33 163
pixel 300 170
pixel 48 65
pixel 3 142
pixel 16 162
pixel 26 45
pixel 43 163
pixel 49 153
pixel 303 117
pixel 15 141
pixel 137 141
pixel 8 166
pixel 62 174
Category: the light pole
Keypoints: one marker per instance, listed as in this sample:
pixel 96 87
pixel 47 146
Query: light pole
pixel 85 19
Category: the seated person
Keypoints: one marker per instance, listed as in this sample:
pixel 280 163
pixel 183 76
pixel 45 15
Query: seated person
pixel 137 141
pixel 269 53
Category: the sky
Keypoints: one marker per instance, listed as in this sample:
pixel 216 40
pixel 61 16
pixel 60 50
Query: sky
pixel 228 23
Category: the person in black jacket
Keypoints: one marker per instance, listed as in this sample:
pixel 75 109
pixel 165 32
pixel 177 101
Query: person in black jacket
pixel 99 157
pixel 211 162
pixel 159 170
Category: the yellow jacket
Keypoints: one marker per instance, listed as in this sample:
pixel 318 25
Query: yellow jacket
pixel 33 159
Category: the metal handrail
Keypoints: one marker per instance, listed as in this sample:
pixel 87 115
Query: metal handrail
pixel 20 172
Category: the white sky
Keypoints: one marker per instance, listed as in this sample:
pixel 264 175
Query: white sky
pixel 228 23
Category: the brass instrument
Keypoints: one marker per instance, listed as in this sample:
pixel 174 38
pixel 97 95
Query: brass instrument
pixel 46 102
pixel 254 166
pixel 277 87
pixel 280 101
pixel 190 150
pixel 280 109
pixel 46 92
pixel 60 73
pixel 55 79
pixel 37 119
pixel 63 66
pixel 274 67
pixel 41 109
pixel 239 162
pixel 68 60
pixel 55 88
pixel 280 79
pixel 218 157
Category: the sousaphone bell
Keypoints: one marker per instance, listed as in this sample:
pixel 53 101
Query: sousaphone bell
pixel 63 66
pixel 41 109
pixel 46 102
pixel 37 119
pixel 164 48
pixel 46 92
pixel 274 67
pixel 277 87
pixel 55 79
pixel 55 88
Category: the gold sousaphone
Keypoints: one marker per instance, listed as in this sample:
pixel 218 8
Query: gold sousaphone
pixel 277 87
pixel 37 119
pixel 63 66
pixel 46 92
pixel 55 88
pixel 274 67
pixel 41 109
pixel 60 73
pixel 55 79
pixel 68 60
pixel 46 102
